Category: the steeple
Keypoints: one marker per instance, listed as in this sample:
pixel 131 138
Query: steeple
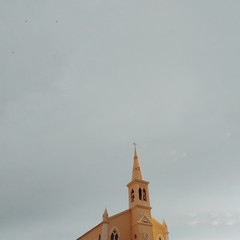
pixel 136 174
pixel 138 194
pixel 139 203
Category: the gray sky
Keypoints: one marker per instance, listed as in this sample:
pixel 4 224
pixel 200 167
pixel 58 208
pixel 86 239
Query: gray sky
pixel 80 81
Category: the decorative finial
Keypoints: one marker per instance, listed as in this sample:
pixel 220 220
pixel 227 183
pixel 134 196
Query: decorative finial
pixel 105 215
pixel 135 145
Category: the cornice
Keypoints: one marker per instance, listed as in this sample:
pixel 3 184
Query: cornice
pixel 141 206
pixel 138 181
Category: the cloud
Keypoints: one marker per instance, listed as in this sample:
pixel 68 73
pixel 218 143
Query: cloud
pixel 228 215
pixel 215 223
pixel 194 223
pixel 184 154
pixel 173 153
pixel 228 134
pixel 192 214
pixel 213 215
pixel 230 223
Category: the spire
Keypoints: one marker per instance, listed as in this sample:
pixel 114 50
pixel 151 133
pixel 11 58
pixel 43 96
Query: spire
pixel 136 166
pixel 105 215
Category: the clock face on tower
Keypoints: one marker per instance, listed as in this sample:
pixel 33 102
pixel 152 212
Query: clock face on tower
pixel 146 236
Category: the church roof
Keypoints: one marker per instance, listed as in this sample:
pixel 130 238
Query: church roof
pixel 90 230
pixel 118 214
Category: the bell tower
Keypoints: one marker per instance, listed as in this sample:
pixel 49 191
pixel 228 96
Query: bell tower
pixel 139 204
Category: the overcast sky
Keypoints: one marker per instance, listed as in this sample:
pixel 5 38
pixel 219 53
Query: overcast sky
pixel 80 81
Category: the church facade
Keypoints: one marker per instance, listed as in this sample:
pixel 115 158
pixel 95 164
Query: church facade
pixel 136 223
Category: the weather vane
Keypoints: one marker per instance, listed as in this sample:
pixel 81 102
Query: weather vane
pixel 135 145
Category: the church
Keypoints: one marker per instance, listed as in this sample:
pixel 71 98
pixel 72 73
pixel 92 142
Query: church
pixel 135 223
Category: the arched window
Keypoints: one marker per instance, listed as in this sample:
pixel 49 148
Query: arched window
pixel 132 197
pixel 160 237
pixel 115 235
pixel 140 193
pixel 144 195
pixel 99 237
